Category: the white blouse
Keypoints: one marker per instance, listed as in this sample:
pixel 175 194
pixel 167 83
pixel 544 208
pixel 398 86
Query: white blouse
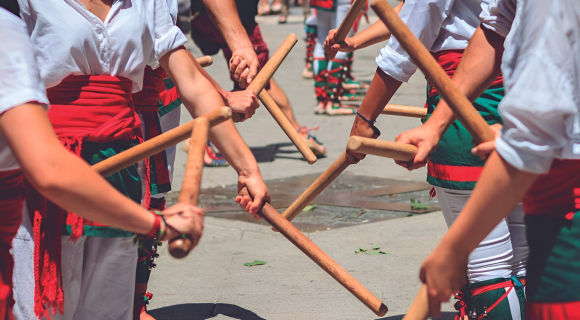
pixel 541 69
pixel 68 39
pixel 19 80
pixel 439 25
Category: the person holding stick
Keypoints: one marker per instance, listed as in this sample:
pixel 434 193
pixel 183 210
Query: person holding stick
pixel 30 150
pixel 534 159
pixel 229 25
pixel 94 73
pixel 445 28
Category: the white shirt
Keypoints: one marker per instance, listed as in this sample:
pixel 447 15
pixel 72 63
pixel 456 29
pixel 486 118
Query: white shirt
pixel 68 39
pixel 499 15
pixel 439 25
pixel 20 82
pixel 541 69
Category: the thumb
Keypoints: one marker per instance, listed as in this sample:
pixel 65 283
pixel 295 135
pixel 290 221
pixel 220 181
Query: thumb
pixel 257 204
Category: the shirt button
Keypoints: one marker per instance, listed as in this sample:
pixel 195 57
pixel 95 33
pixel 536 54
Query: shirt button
pixel 99 30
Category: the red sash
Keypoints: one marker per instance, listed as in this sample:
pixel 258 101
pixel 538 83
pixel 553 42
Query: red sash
pixel 83 108
pixel 12 194
pixel 557 192
pixel 449 60
pixel 146 102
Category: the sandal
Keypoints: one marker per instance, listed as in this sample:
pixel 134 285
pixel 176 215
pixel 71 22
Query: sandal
pixel 264 10
pixel 211 159
pixel 313 143
pixel 276 7
pixel 282 19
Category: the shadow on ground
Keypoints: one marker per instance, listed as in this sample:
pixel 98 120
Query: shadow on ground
pixel 274 151
pixel 202 311
pixel 444 316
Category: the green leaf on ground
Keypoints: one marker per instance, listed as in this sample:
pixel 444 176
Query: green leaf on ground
pixel 255 263
pixel 376 250
pixel 417 205
pixel 309 207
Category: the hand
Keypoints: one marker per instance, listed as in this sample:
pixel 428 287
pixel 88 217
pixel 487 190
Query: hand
pixel 444 272
pixel 257 196
pixel 244 65
pixel 183 219
pixel 361 128
pixel 426 138
pixel 484 149
pixel 244 102
pixel 331 48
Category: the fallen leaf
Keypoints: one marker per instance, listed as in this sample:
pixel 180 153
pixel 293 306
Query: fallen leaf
pixel 255 263
pixel 309 207
pixel 417 205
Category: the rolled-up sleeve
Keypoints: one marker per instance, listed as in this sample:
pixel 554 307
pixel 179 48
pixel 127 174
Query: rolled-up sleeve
pixel 167 35
pixel 498 16
pixel 539 112
pixel 424 18
pixel 20 82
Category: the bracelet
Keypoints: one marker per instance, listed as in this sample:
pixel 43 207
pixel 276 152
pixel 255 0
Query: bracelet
pixel 156 227
pixel 372 123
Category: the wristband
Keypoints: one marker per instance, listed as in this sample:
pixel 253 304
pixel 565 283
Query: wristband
pixel 156 227
pixel 372 123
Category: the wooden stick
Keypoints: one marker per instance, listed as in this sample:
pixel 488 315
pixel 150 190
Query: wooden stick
pixel 269 68
pixel 205 61
pixel 419 309
pixel 287 127
pixel 463 109
pixel 335 169
pixel 157 144
pixel 321 259
pixel 347 23
pixel 405 111
pixel 190 187
pixel 381 148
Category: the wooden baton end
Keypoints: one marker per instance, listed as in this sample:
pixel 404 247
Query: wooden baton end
pixel 205 61
pixel 382 310
pixel 354 144
pixel 311 160
pixel 180 248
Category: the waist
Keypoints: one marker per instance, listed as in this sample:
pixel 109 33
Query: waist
pixel 449 60
pixel 557 192
pixel 93 107
pixel 12 185
pixel 148 98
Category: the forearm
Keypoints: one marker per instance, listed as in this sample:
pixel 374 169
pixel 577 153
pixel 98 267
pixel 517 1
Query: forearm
pixel 499 189
pixel 383 87
pixel 200 97
pixel 223 93
pixel 377 32
pixel 64 178
pixel 224 14
pixel 479 67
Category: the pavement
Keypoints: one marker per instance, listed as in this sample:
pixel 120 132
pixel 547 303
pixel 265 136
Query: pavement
pixel 213 283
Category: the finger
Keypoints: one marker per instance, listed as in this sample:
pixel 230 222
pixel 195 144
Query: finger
pixel 234 64
pixel 239 69
pixel 413 166
pixel 434 302
pixel 254 68
pixel 351 158
pixel 401 138
pixel 257 203
pixel 245 74
pixel 402 163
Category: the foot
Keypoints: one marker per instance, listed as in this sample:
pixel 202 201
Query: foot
pixel 351 84
pixel 282 19
pixel 276 7
pixel 316 147
pixel 320 108
pixel 351 95
pixel 307 73
pixel 338 108
pixel 211 159
pixel 264 10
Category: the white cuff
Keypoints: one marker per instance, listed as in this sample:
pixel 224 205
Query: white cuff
pixel 523 160
pixel 395 65
pixel 173 39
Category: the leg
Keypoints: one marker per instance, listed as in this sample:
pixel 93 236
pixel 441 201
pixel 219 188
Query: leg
pixel 489 266
pixel 284 12
pixel 282 101
pixel 310 28
pixel 23 253
pixel 108 279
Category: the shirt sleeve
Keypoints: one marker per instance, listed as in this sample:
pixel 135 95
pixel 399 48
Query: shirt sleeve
pixel 167 35
pixel 424 18
pixel 539 113
pixel 498 16
pixel 20 81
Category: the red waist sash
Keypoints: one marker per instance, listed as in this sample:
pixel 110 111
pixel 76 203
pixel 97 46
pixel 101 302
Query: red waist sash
pixel 449 60
pixel 95 108
pixel 557 192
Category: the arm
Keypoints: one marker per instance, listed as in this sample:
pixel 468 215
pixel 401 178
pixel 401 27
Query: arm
pixel 382 89
pixel 72 184
pixel 496 194
pixel 224 14
pixel 376 33
pixel 479 67
pixel 200 97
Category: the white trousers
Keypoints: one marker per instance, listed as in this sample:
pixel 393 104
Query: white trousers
pixel 98 277
pixel 503 253
pixel 326 20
